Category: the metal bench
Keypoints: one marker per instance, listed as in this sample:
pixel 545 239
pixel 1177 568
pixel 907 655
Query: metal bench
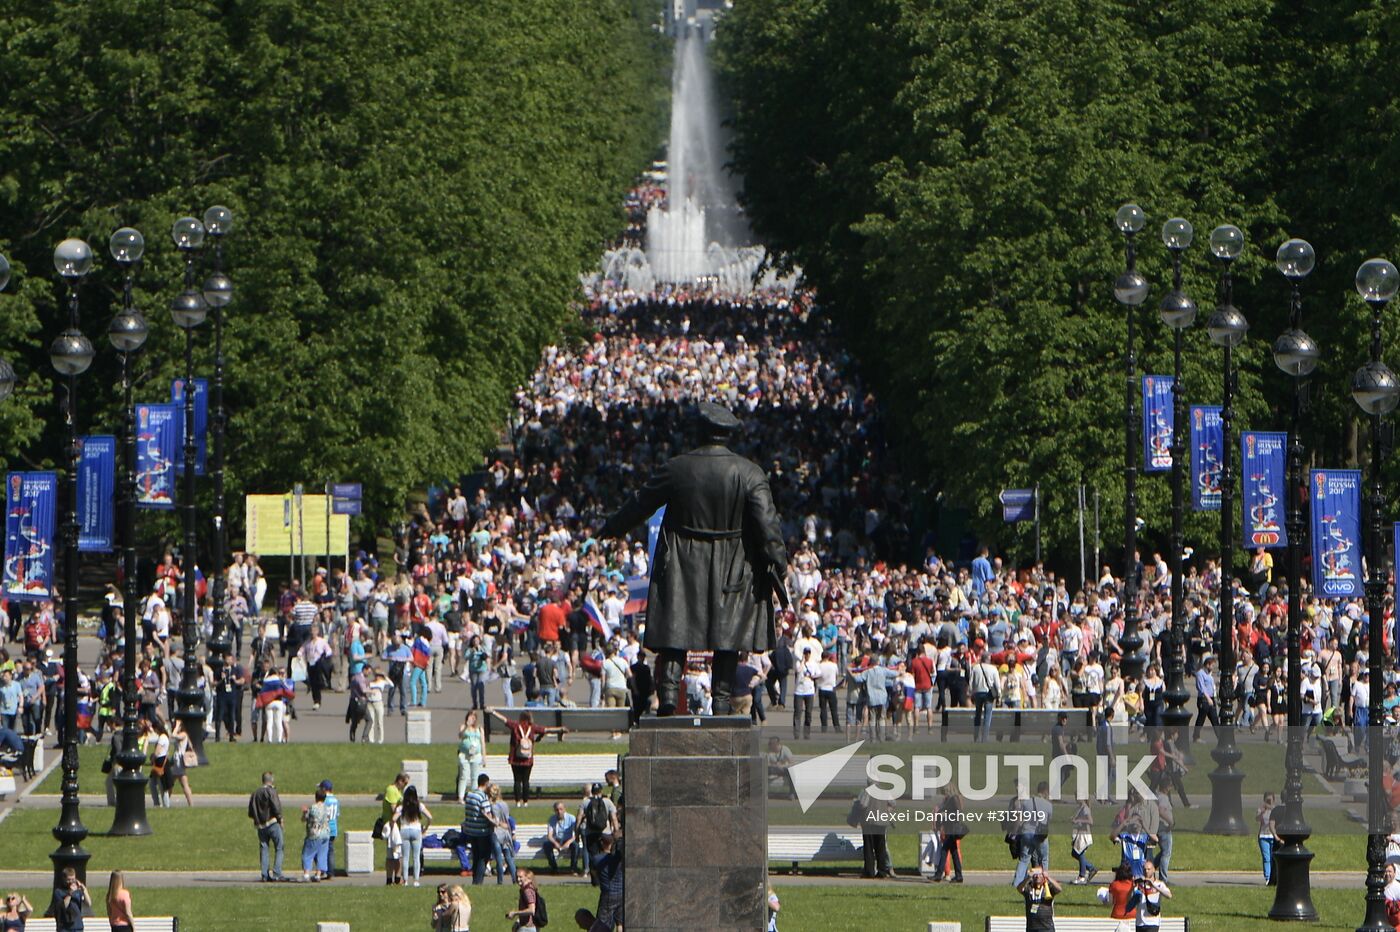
pixel 556 769
pixel 532 840
pixel 1080 924
pixel 798 846
pixel 142 924
pixel 1336 763
pixel 571 717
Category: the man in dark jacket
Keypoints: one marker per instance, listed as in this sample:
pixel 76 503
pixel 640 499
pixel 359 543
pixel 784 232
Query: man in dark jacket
pixel 719 559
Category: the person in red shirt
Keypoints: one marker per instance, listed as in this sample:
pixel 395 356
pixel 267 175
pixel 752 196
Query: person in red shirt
pixel 1119 893
pixel 524 734
pixel 37 635
pixel 922 668
pixel 552 617
pixel 421 606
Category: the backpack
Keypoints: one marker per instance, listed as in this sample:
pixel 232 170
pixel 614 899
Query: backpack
pixel 525 744
pixel 541 911
pixel 595 815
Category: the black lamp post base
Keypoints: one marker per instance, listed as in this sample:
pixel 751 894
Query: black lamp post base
pixel 1375 920
pixel 72 855
pixel 130 818
pixel 1226 799
pixel 1293 900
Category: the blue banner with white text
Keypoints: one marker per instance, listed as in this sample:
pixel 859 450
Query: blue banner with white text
pixel 156 427
pixel 1207 457
pixel 1335 502
pixel 97 479
pixel 31 506
pixel 201 424
pixel 1157 423
pixel 1263 479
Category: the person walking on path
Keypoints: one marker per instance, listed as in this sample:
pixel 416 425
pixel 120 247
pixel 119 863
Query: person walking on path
pixel 952 829
pixel 1081 839
pixel 265 810
pixel 598 818
pixel 477 827
pixel 503 835
pixel 471 754
pixel 70 900
pixel 119 903
pixel 527 905
pixel 318 833
pixel 377 685
pixel 1264 816
pixel 524 733
pixel 412 817
pixel 332 813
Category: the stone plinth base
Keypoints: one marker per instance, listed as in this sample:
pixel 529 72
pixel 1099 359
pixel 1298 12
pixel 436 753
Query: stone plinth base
pixel 417 771
pixel 419 727
pixel 695 826
pixel 359 853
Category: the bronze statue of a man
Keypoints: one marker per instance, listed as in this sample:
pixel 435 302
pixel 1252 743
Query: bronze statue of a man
pixel 719 562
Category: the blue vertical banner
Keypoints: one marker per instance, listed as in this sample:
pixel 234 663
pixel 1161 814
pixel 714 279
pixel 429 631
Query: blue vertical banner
pixel 1336 532
pixel 201 424
pixel 31 506
pixel 1017 505
pixel 156 427
pixel 653 533
pixel 1157 423
pixel 97 480
pixel 1207 457
pixel 1263 477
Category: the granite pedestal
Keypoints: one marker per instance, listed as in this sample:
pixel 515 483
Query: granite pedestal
pixel 695 813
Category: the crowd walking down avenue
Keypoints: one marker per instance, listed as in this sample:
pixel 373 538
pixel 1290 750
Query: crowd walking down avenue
pixel 500 593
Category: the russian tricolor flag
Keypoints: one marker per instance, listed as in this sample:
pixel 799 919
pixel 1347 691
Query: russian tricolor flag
pixel 422 653
pixel 637 587
pixel 274 688
pixel 596 618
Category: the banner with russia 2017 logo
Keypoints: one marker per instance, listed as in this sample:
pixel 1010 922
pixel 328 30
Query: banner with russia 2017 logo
pixel 1264 484
pixel 1336 532
pixel 1158 422
pixel 31 507
pixel 1207 457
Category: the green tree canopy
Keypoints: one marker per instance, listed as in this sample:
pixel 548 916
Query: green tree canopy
pixel 417 185
pixel 946 174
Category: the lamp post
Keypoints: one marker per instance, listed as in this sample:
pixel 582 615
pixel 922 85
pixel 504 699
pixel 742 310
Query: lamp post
pixel 127 333
pixel 1227 328
pixel 1130 290
pixel 188 309
pixel 1178 312
pixel 1376 391
pixel 1295 353
pixel 218 292
pixel 71 353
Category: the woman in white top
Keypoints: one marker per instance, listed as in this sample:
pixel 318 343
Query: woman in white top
pixel 157 742
pixel 1053 690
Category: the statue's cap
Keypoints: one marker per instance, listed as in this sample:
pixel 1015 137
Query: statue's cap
pixel 716 416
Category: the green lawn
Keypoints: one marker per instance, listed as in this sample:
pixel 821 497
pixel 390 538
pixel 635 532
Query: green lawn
pixel 804 908
pixel 354 768
pixel 221 839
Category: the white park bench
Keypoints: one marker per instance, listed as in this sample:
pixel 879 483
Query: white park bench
pixel 1080 924
pixel 556 770
pixel 532 841
pixel 798 846
pixel 143 924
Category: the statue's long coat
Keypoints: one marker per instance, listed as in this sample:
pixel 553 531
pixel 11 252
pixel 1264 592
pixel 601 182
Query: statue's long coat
pixel 711 586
